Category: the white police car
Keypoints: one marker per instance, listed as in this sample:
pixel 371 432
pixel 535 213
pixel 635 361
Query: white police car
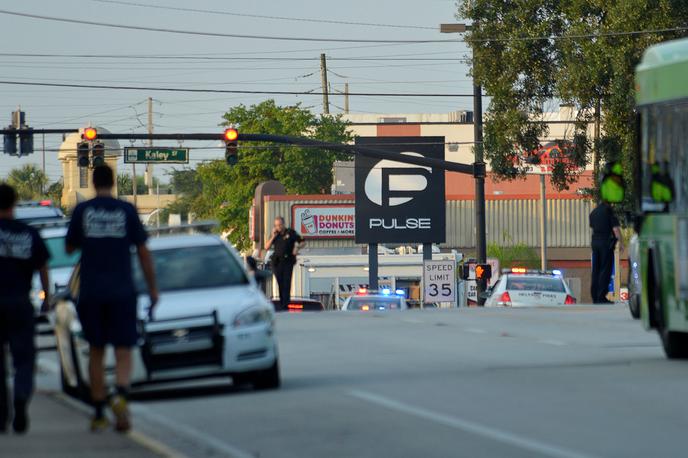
pixel 369 301
pixel 520 287
pixel 211 320
pixel 60 268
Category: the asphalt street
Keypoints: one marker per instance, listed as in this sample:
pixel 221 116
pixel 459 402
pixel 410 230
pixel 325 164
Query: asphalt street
pixel 579 381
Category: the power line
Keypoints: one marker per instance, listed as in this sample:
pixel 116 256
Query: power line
pixel 260 16
pixel 223 91
pixel 578 36
pixel 214 34
pixel 220 58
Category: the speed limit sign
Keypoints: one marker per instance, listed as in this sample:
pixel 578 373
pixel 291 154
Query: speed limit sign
pixel 439 281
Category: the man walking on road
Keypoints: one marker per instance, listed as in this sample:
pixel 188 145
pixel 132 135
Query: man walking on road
pixel 605 233
pixel 105 229
pixel 22 252
pixel 286 243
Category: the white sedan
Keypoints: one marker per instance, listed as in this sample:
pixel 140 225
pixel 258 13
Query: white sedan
pixel 211 320
pixel 530 288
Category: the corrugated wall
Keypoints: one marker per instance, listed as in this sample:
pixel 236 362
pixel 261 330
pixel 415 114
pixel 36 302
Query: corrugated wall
pixel 508 222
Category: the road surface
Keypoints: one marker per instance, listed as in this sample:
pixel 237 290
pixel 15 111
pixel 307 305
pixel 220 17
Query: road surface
pixel 578 381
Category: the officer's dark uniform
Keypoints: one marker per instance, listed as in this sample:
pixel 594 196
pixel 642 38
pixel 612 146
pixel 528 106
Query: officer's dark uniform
pixel 22 252
pixel 602 222
pixel 283 261
pixel 105 228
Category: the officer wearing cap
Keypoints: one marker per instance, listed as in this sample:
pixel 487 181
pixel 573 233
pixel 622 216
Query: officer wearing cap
pixel 22 252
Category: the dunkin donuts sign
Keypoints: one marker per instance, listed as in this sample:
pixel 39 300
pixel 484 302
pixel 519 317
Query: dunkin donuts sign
pixel 324 220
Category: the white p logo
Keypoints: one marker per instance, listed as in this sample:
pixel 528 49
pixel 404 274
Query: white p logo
pixel 392 183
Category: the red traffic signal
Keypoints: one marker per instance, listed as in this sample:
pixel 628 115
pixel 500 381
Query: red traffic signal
pixel 231 134
pixel 90 134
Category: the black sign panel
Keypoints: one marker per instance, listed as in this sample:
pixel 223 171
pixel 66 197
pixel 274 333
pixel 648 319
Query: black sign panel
pixel 398 202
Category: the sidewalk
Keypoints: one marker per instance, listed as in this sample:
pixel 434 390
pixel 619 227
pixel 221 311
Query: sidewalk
pixel 59 429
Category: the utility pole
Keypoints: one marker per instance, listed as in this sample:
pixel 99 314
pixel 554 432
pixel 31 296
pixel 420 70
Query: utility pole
pixel 323 77
pixel 478 167
pixel 596 135
pixel 346 98
pixel 543 223
pixel 43 163
pixel 149 167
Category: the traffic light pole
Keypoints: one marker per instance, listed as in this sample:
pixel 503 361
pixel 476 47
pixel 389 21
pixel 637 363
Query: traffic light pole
pixel 479 175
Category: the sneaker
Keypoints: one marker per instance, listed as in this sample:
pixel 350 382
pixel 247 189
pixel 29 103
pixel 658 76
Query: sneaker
pixel 121 410
pixel 99 424
pixel 20 424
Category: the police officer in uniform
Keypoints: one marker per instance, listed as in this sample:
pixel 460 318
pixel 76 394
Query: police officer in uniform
pixel 105 229
pixel 22 252
pixel 286 243
pixel 605 234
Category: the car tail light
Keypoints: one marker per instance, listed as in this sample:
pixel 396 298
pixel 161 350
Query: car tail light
pixel 295 307
pixel 505 299
pixel 570 300
pixel 365 308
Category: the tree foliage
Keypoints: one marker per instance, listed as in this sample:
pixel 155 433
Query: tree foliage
pixel 216 190
pixel 29 181
pixel 521 73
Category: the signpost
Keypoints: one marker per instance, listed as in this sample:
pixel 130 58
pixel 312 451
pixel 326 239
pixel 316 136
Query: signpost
pixel 157 155
pixel 398 202
pixel 439 281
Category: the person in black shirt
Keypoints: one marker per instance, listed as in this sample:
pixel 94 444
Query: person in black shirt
pixel 105 229
pixel 605 234
pixel 22 252
pixel 286 243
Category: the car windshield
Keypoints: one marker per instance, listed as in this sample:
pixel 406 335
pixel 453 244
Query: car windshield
pixel 58 255
pixel 192 268
pixel 374 303
pixel 27 214
pixel 525 283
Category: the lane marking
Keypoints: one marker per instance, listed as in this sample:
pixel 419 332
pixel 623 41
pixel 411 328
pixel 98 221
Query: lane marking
pixel 470 427
pixel 207 440
pixel 557 343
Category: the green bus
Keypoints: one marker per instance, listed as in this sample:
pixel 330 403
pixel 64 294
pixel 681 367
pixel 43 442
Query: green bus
pixel 662 193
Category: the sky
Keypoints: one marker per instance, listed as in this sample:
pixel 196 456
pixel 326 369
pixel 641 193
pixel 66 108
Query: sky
pixel 157 59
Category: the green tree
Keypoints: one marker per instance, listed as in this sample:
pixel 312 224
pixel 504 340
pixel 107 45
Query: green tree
pixel 186 185
pixel 227 192
pixel 29 181
pixel 521 72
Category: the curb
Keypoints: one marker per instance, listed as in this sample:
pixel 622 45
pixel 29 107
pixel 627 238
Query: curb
pixel 145 441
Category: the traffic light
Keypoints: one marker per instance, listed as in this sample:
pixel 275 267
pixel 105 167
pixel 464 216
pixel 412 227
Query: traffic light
pixel 98 154
pixel 483 272
pixel 25 142
pixel 89 134
pixel 10 144
pixel 82 150
pixel 231 149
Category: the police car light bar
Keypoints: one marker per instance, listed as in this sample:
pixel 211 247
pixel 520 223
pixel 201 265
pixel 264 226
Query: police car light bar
pixel 523 270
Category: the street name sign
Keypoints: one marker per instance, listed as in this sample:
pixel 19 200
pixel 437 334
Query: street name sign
pixel 439 281
pixel 156 155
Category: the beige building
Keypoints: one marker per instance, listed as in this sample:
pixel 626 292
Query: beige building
pixel 77 180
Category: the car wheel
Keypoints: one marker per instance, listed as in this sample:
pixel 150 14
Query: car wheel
pixel 634 306
pixel 81 390
pixel 267 379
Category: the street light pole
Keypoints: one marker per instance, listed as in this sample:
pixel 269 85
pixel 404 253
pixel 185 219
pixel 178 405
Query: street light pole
pixel 478 169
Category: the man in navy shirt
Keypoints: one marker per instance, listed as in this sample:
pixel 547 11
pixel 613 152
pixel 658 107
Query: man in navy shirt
pixel 22 252
pixel 105 229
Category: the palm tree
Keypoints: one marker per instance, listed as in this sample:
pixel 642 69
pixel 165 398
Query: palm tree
pixel 29 181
